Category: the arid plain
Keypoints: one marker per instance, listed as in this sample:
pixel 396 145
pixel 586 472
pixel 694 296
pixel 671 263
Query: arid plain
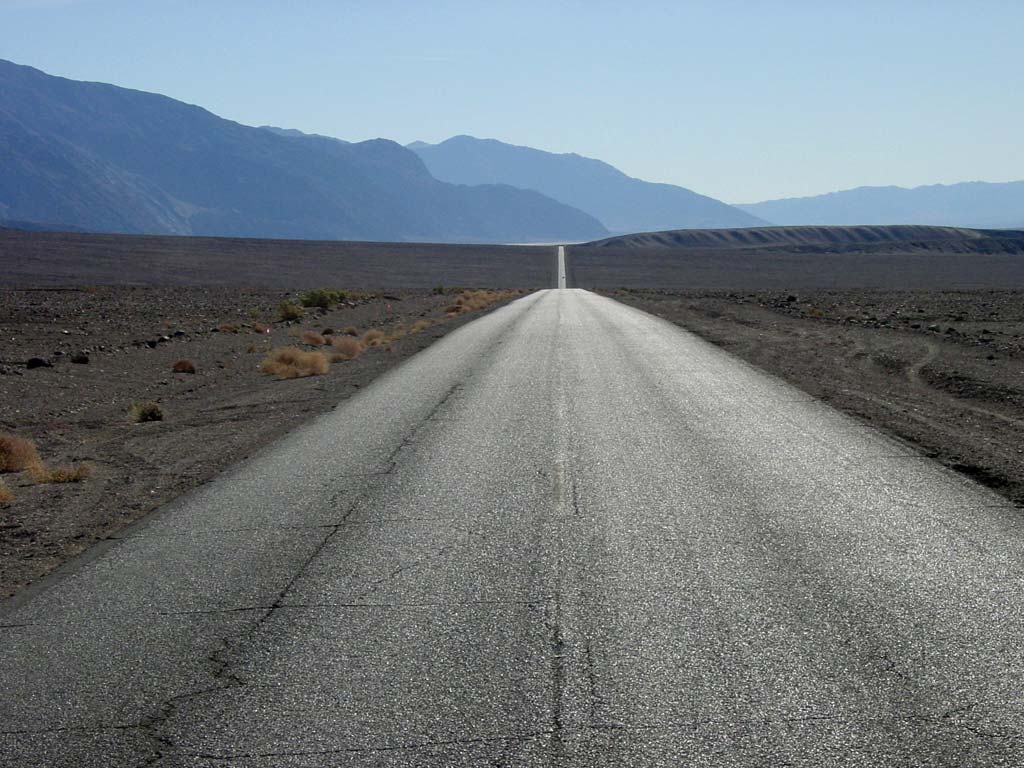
pixel 921 336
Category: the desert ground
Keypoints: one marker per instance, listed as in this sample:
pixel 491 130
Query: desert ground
pixel 923 338
pixel 790 258
pixel 916 330
pixel 38 259
pixel 941 369
pixel 111 315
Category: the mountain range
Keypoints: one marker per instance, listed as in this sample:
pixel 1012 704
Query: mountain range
pixel 975 204
pixel 97 157
pixel 622 203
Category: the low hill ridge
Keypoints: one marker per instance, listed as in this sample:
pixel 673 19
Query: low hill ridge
pixel 761 237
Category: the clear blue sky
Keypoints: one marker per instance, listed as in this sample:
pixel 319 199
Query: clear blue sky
pixel 739 100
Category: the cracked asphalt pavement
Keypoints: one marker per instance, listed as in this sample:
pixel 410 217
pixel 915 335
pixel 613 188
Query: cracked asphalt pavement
pixel 569 533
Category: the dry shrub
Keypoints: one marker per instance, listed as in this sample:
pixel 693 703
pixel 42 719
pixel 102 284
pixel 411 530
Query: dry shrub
pixel 259 327
pixel 313 338
pixel 346 348
pixel 398 332
pixel 183 366
pixel 351 330
pixel 471 301
pixel 325 298
pixel 227 328
pixel 373 338
pixel 150 411
pixel 328 331
pixel 289 310
pixel 294 363
pixel 17 453
pixel 420 325
pixel 5 494
pixel 63 474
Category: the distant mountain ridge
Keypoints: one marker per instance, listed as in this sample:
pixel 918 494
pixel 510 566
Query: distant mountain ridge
pixel 103 158
pixel 620 202
pixel 976 204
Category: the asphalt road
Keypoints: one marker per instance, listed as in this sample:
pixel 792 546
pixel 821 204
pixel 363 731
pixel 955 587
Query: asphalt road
pixel 566 534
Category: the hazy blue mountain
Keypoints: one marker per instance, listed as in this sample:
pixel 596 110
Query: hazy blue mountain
pixel 970 204
pixel 620 202
pixel 103 158
pixel 295 133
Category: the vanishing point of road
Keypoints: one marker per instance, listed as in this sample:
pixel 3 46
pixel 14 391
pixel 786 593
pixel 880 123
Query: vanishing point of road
pixel 567 534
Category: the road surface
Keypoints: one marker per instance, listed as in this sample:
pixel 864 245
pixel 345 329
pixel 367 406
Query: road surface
pixel 567 534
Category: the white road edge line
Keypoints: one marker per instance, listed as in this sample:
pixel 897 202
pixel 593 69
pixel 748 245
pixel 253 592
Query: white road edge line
pixel 561 266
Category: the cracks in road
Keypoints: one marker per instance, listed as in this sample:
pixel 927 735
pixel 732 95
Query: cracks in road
pixel 349 606
pixel 574 498
pixel 553 622
pixel 219 659
pixel 378 584
pixel 408 440
pixel 429 744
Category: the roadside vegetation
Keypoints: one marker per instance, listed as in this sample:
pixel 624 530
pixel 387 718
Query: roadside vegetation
pixel 345 348
pixel 348 343
pixel 294 363
pixel 474 301
pixel 19 455
pixel 147 411
pixel 287 311
pixel 138 349
pixel 313 338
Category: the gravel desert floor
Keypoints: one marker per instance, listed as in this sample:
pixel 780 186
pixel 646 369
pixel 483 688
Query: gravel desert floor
pixel 109 348
pixel 943 370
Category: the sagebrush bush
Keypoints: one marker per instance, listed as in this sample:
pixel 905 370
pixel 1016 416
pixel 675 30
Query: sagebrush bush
pixel 325 298
pixel 420 325
pixel 346 348
pixel 62 474
pixel 294 363
pixel 5 494
pixel 373 338
pixel 149 411
pixel 289 310
pixel 351 330
pixel 471 301
pixel 313 338
pixel 183 366
pixel 17 454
